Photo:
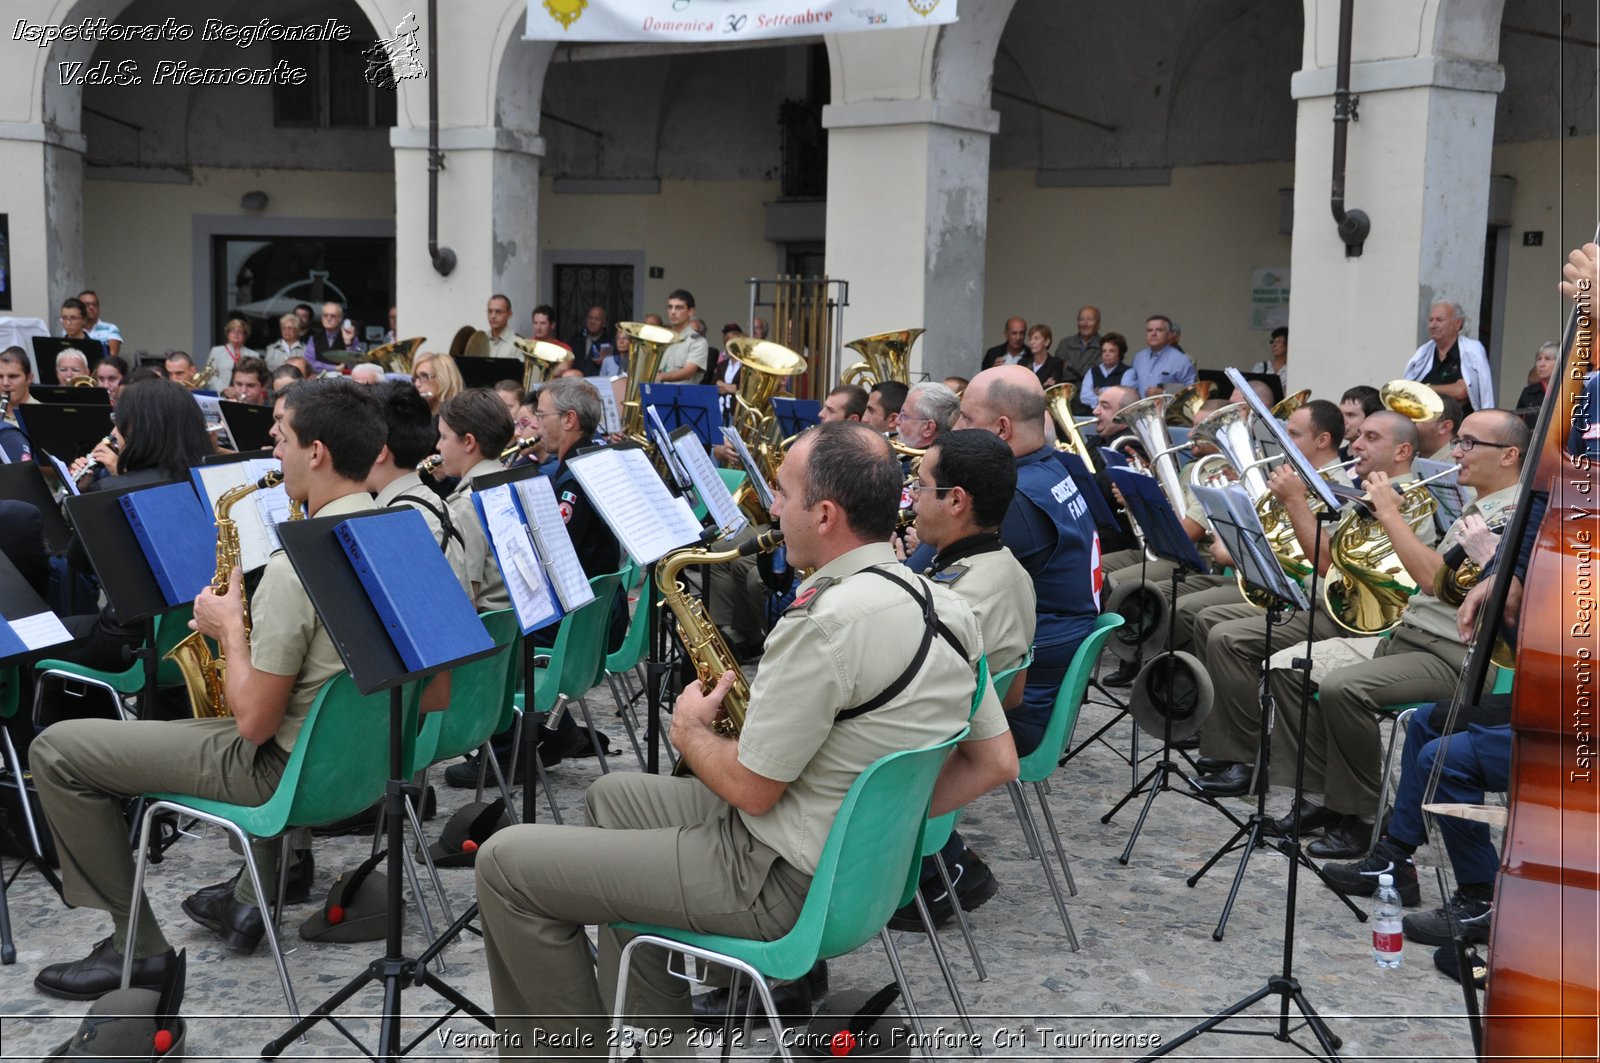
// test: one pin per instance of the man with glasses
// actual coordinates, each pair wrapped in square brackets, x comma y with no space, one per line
[327,337]
[928,412]
[104,331]
[1420,661]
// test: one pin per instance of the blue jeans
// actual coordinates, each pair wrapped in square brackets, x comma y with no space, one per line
[1475,760]
[1030,719]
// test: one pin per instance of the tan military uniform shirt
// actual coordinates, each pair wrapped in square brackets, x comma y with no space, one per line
[1000,594]
[406,491]
[481,566]
[1427,613]
[846,638]
[503,346]
[688,347]
[287,636]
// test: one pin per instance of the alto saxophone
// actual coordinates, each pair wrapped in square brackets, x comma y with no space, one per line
[702,642]
[204,672]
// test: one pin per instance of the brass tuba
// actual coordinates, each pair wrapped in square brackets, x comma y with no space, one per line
[765,367]
[647,343]
[886,356]
[540,360]
[395,357]
[1058,400]
[205,673]
[702,642]
[1187,402]
[1147,427]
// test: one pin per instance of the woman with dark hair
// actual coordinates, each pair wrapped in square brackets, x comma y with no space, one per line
[1108,372]
[110,373]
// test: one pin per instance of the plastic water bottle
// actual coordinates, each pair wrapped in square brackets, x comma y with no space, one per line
[1388,940]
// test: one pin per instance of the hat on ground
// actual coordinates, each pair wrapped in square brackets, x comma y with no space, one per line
[356,908]
[856,1023]
[1174,686]
[132,1024]
[465,831]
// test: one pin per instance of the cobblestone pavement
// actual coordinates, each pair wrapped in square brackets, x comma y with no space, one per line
[1148,968]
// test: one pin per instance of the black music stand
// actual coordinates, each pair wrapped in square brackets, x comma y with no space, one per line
[18,600]
[680,405]
[45,349]
[23,481]
[487,372]
[796,415]
[249,425]
[68,432]
[359,634]
[59,395]
[1284,985]
[1165,537]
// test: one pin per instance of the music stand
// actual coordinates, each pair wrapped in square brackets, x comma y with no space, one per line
[694,405]
[250,426]
[18,602]
[1282,985]
[57,394]
[23,481]
[796,415]
[45,349]
[487,372]
[369,655]
[1164,536]
[68,432]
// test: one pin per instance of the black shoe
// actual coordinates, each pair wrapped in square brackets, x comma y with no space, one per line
[795,1000]
[1211,765]
[1472,914]
[1312,817]
[240,925]
[1231,781]
[100,972]
[463,775]
[1189,744]
[1124,676]
[1444,958]
[296,889]
[1344,840]
[1361,879]
[974,883]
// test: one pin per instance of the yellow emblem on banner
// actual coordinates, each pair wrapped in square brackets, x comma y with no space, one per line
[921,7]
[567,12]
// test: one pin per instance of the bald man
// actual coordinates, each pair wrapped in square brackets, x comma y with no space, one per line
[1081,350]
[1048,528]
[1013,350]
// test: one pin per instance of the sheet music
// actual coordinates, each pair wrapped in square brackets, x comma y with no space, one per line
[663,441]
[1234,519]
[538,498]
[40,630]
[63,472]
[708,483]
[211,406]
[647,519]
[254,516]
[610,415]
[751,468]
[519,563]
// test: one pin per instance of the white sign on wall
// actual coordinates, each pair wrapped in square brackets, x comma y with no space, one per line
[1269,298]
[701,21]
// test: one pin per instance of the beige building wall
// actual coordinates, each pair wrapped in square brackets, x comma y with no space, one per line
[706,236]
[1186,249]
[139,248]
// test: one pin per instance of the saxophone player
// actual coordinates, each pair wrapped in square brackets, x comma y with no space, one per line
[86,769]
[733,849]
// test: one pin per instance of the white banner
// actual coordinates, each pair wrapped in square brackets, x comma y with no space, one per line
[723,20]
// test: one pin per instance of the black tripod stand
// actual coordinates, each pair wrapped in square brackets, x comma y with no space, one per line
[1282,985]
[341,601]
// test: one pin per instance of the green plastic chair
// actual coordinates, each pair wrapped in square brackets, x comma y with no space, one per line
[869,867]
[573,667]
[170,629]
[1038,766]
[10,701]
[339,766]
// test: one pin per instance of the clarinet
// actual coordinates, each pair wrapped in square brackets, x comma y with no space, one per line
[94,465]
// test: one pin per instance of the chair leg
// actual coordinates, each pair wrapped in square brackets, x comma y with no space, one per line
[1031,828]
[905,993]
[1055,838]
[594,736]
[549,794]
[774,1020]
[283,880]
[499,780]
[516,747]
[961,917]
[22,793]
[944,965]
[1399,729]
[625,711]
[1014,789]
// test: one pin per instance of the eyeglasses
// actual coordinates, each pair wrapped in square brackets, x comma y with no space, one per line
[422,376]
[919,487]
[1466,443]
[527,422]
[540,415]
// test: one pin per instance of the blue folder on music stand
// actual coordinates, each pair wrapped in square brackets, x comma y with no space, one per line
[796,415]
[686,406]
[1162,531]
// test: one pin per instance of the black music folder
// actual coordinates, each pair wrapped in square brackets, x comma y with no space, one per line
[23,481]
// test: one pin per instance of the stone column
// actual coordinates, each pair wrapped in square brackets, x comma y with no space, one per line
[41,188]
[1418,164]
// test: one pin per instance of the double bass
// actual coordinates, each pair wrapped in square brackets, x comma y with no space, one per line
[1544,950]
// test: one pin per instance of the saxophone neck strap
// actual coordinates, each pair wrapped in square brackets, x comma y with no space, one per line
[931,626]
[446,526]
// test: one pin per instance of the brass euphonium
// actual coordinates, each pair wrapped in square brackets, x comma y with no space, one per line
[540,360]
[703,643]
[1058,400]
[395,357]
[204,672]
[1368,587]
[1290,403]
[765,367]
[646,345]
[1187,402]
[887,356]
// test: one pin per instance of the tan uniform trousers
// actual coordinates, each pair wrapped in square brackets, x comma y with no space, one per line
[86,769]
[1343,750]
[658,850]
[1231,640]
